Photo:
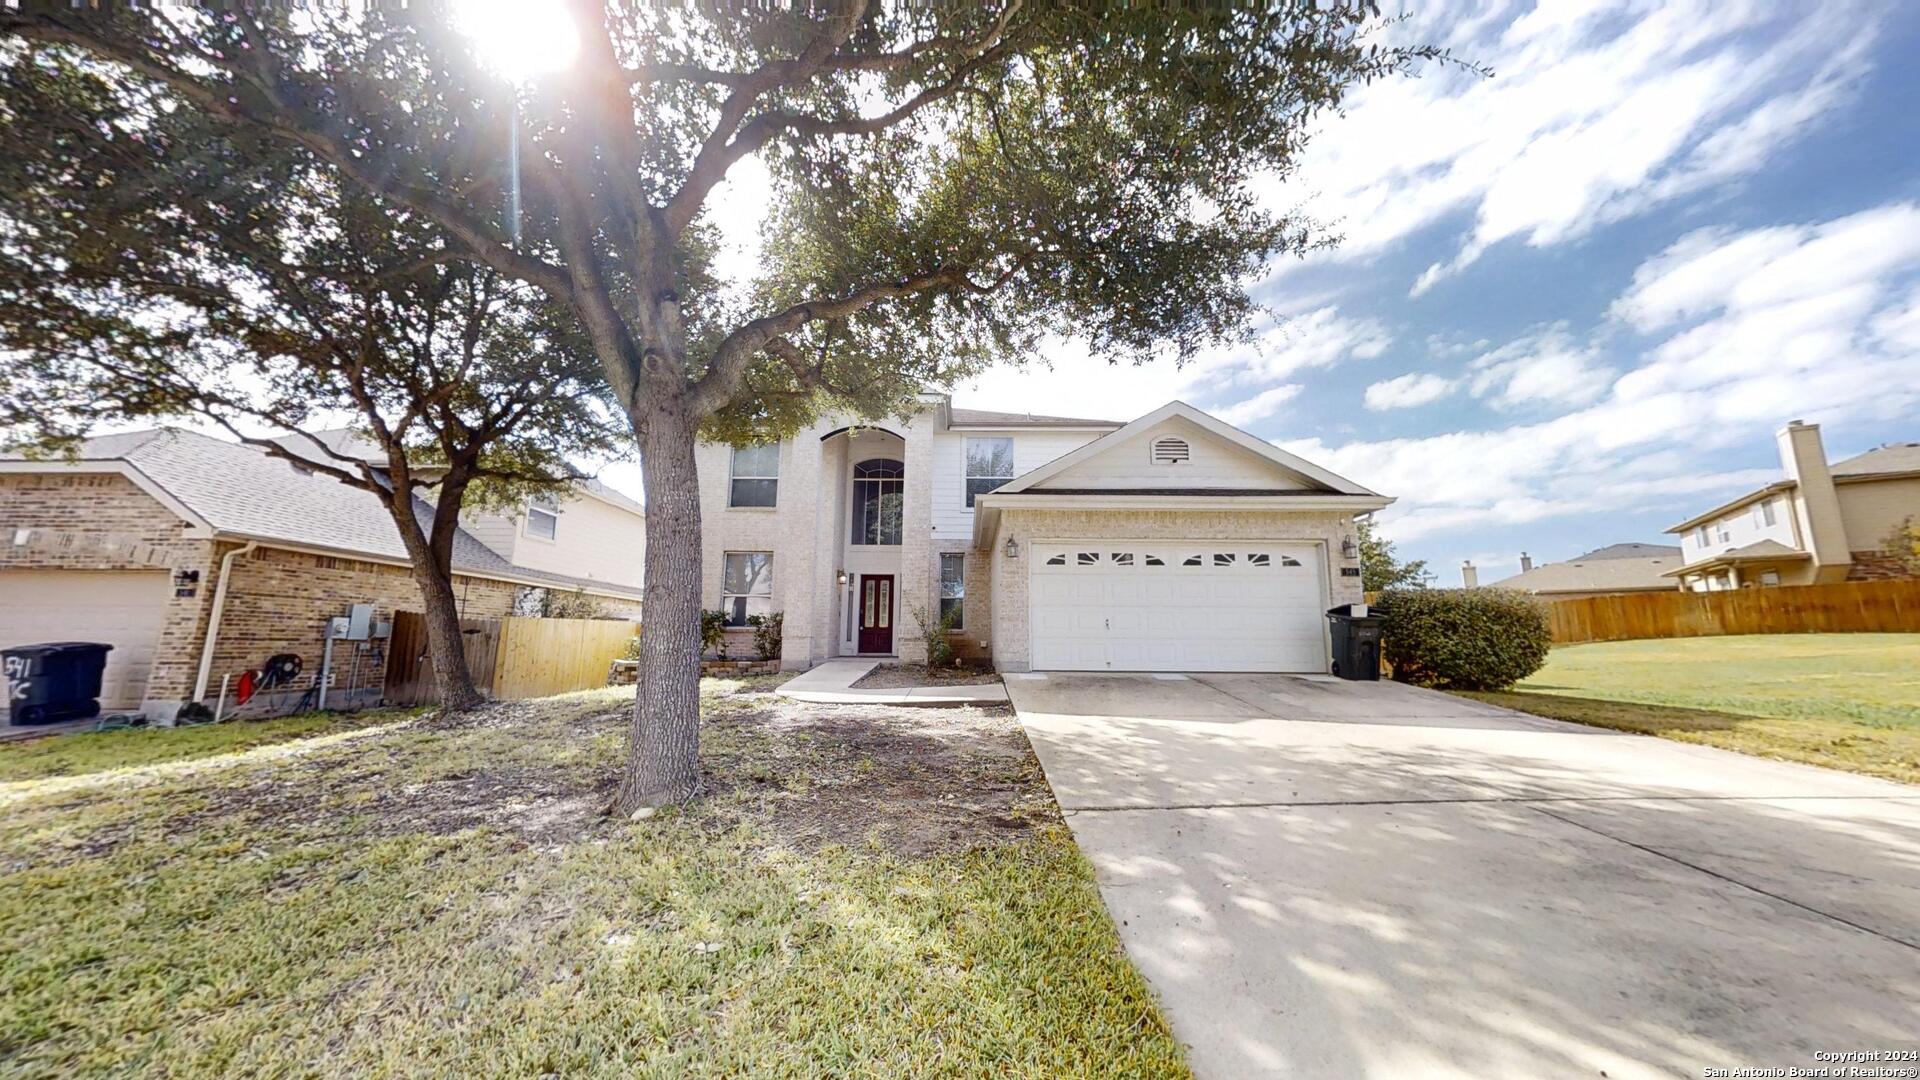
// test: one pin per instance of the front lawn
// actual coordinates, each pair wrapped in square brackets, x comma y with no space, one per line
[865,891]
[1846,701]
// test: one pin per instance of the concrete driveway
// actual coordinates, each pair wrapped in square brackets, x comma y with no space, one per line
[1328,879]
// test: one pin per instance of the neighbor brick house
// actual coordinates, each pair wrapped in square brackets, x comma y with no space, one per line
[1820,523]
[1174,542]
[141,538]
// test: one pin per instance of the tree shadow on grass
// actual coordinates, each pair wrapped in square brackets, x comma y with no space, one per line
[1619,715]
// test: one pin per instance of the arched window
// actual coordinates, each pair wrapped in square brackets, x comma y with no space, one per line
[879,491]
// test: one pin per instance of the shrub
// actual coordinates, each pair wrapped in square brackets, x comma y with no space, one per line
[713,632]
[767,630]
[933,633]
[1463,639]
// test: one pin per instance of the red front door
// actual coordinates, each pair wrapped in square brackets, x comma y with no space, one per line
[876,613]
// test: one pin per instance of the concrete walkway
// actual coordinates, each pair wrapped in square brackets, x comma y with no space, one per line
[831,683]
[1331,879]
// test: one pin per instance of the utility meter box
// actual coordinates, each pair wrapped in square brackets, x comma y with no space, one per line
[359,622]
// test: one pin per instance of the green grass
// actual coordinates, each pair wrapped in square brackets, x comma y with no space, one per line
[1846,701]
[427,900]
[97,751]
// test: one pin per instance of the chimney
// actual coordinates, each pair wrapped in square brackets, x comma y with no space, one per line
[1815,503]
[1526,562]
[1469,575]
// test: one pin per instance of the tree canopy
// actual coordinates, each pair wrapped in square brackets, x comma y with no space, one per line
[949,183]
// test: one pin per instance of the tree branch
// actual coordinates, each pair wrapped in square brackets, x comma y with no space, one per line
[720,150]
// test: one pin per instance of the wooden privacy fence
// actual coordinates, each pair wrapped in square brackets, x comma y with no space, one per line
[510,658]
[552,656]
[1858,606]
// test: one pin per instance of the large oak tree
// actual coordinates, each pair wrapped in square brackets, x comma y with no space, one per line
[950,182]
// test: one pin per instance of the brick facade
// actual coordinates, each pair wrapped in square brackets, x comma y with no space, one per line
[1878,566]
[277,602]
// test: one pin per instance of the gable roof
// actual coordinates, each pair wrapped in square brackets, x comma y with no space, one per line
[1329,483]
[242,491]
[1891,458]
[1598,573]
[1628,551]
[349,443]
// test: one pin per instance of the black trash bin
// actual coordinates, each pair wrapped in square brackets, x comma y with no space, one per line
[1356,644]
[53,681]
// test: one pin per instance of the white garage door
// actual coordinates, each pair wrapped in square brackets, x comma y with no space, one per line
[122,609]
[1201,606]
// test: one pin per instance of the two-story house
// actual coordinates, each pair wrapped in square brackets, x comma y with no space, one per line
[1173,542]
[1820,523]
[197,558]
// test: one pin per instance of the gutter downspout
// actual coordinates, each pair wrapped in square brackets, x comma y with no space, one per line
[213,620]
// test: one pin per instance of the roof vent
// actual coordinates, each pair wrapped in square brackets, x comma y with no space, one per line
[1171,451]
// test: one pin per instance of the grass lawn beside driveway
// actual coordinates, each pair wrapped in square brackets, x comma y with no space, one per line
[865,891]
[1845,701]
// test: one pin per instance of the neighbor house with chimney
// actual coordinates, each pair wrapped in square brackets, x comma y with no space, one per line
[1819,523]
[1607,571]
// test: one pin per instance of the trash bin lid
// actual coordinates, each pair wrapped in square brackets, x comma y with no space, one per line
[50,648]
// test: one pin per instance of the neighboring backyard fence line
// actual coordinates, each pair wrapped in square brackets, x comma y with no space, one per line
[1862,606]
[510,658]
[552,656]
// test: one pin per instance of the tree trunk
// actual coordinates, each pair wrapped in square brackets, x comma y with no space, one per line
[452,679]
[663,747]
[432,559]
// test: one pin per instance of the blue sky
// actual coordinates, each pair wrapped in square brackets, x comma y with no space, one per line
[1575,300]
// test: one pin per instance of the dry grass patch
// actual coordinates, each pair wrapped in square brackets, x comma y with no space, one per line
[864,892]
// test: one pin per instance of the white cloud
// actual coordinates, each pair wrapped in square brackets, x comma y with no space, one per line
[1544,368]
[1820,321]
[1258,407]
[1596,111]
[1407,391]
[1230,381]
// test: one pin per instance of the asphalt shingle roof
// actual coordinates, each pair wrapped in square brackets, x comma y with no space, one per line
[1891,458]
[1628,551]
[1608,574]
[243,491]
[991,418]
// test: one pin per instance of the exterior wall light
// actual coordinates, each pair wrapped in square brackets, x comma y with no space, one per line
[843,577]
[1349,549]
[1012,548]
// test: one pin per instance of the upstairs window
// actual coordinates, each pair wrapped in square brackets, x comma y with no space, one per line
[989,465]
[1700,536]
[543,519]
[1171,451]
[1766,511]
[879,492]
[756,475]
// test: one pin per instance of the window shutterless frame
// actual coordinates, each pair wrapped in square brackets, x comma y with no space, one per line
[953,587]
[988,465]
[543,520]
[755,477]
[746,585]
